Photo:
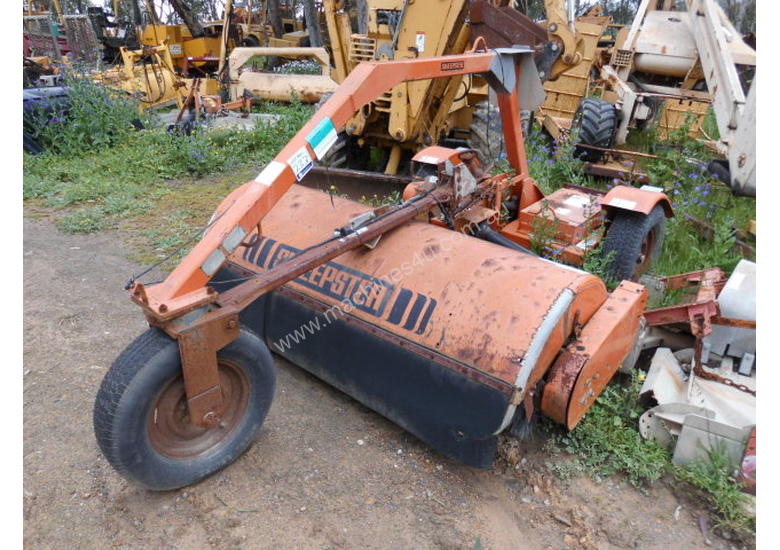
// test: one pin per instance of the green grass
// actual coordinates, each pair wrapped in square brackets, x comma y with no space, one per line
[712,476]
[692,191]
[97,188]
[607,442]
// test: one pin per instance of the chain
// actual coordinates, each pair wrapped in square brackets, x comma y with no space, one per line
[701,373]
[698,369]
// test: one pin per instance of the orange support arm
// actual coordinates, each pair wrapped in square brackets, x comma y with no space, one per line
[185,287]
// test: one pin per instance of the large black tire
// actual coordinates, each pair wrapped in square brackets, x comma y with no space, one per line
[250,41]
[635,240]
[345,153]
[486,134]
[595,122]
[140,415]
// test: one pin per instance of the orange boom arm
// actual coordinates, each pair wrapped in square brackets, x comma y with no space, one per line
[185,287]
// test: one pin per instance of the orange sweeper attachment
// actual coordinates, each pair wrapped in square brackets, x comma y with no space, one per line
[433,312]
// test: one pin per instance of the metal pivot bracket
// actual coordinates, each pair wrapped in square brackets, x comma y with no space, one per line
[198,347]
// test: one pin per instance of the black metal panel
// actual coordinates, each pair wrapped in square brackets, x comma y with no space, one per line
[449,411]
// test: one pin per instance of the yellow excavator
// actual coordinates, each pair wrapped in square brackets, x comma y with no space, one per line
[413,115]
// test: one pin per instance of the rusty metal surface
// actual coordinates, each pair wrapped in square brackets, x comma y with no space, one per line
[560,384]
[169,427]
[354,183]
[707,283]
[431,355]
[483,302]
[614,171]
[583,370]
[503,27]
[198,347]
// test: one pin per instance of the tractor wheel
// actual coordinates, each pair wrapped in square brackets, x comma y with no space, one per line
[635,240]
[486,134]
[596,123]
[344,153]
[141,421]
[250,41]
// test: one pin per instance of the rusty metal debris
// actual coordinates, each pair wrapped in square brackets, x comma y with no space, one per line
[706,395]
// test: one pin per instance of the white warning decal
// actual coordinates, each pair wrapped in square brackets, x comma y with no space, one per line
[623,203]
[301,162]
[270,173]
[322,137]
[420,42]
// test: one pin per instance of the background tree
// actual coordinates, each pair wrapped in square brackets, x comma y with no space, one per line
[184,11]
[311,16]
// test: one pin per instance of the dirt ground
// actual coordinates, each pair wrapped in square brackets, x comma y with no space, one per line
[325,472]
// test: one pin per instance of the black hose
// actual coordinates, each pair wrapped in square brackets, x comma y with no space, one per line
[485,232]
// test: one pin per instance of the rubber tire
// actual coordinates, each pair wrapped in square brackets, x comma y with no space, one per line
[596,121]
[250,42]
[130,388]
[344,153]
[486,134]
[627,231]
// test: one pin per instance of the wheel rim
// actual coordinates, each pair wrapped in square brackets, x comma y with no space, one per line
[172,434]
[645,254]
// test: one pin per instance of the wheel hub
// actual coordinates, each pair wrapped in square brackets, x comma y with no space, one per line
[172,433]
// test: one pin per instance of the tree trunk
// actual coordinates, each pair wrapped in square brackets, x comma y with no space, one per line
[362,17]
[185,12]
[312,23]
[136,12]
[275,18]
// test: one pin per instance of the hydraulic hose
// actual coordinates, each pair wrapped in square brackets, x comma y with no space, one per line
[485,232]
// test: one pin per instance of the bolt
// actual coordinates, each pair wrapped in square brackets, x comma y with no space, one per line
[554,47]
[553,27]
[163,308]
[232,324]
[210,419]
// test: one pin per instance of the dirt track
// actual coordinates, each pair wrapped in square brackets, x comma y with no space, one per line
[307,482]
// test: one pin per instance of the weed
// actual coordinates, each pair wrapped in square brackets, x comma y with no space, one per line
[84,220]
[544,227]
[598,263]
[376,200]
[712,475]
[90,119]
[606,441]
[128,178]
[552,163]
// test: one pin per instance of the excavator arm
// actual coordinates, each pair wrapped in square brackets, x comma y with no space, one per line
[561,32]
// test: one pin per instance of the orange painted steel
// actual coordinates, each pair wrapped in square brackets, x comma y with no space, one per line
[586,365]
[497,315]
[489,301]
[637,200]
[185,287]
